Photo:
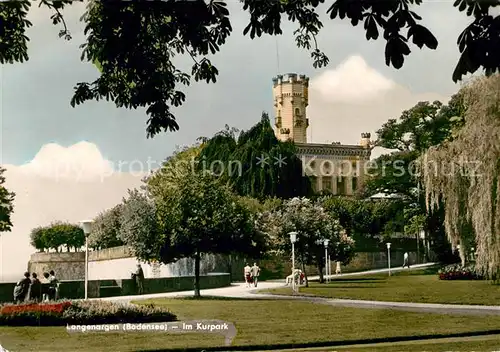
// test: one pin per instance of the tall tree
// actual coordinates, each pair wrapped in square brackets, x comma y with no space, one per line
[134,43]
[198,216]
[6,204]
[463,177]
[106,229]
[181,163]
[256,164]
[313,225]
[139,227]
[419,128]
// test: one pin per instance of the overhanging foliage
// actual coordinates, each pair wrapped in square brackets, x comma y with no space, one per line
[463,176]
[134,43]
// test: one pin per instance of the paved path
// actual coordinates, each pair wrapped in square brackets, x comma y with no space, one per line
[241,291]
[238,290]
[377,271]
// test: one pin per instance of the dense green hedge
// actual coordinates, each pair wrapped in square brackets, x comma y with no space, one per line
[364,244]
[80,313]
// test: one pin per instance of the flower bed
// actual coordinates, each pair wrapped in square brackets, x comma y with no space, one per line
[35,308]
[459,272]
[80,313]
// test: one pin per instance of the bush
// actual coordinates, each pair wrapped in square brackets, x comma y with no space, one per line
[459,272]
[80,313]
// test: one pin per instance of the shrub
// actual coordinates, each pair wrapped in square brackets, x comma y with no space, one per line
[80,313]
[459,272]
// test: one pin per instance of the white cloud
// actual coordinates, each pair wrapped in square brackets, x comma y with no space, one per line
[67,184]
[81,162]
[353,81]
[354,98]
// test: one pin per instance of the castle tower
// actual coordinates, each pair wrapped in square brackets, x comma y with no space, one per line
[365,140]
[290,102]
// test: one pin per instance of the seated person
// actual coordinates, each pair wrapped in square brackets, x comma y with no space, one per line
[295,275]
[338,271]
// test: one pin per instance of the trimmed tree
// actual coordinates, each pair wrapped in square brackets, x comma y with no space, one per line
[57,235]
[37,238]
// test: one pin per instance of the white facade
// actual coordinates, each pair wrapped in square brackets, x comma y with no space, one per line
[122,268]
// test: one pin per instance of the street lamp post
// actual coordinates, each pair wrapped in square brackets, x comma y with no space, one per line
[87,228]
[293,239]
[327,261]
[389,257]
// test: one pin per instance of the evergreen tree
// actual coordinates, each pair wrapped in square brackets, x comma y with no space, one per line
[255,164]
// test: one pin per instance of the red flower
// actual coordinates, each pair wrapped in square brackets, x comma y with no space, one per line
[36,308]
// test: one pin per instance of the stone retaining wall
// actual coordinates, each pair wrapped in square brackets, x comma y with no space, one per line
[119,262]
[114,263]
[75,289]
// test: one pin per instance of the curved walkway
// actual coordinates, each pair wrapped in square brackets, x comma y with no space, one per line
[240,291]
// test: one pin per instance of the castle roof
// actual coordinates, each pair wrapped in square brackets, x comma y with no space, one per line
[332,149]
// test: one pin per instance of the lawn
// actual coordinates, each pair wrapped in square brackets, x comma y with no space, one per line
[481,343]
[410,286]
[257,322]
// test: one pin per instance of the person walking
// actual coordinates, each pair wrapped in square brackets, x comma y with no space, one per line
[36,288]
[255,271]
[22,288]
[406,262]
[247,273]
[139,279]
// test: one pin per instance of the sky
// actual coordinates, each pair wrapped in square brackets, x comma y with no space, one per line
[69,163]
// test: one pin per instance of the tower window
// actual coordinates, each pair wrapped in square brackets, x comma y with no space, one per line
[297,112]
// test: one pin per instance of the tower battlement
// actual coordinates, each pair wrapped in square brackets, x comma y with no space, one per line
[290,78]
[365,139]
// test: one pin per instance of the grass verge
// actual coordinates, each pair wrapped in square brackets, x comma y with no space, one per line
[415,286]
[257,321]
[481,343]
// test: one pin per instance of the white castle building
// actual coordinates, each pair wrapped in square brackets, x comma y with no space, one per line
[335,167]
